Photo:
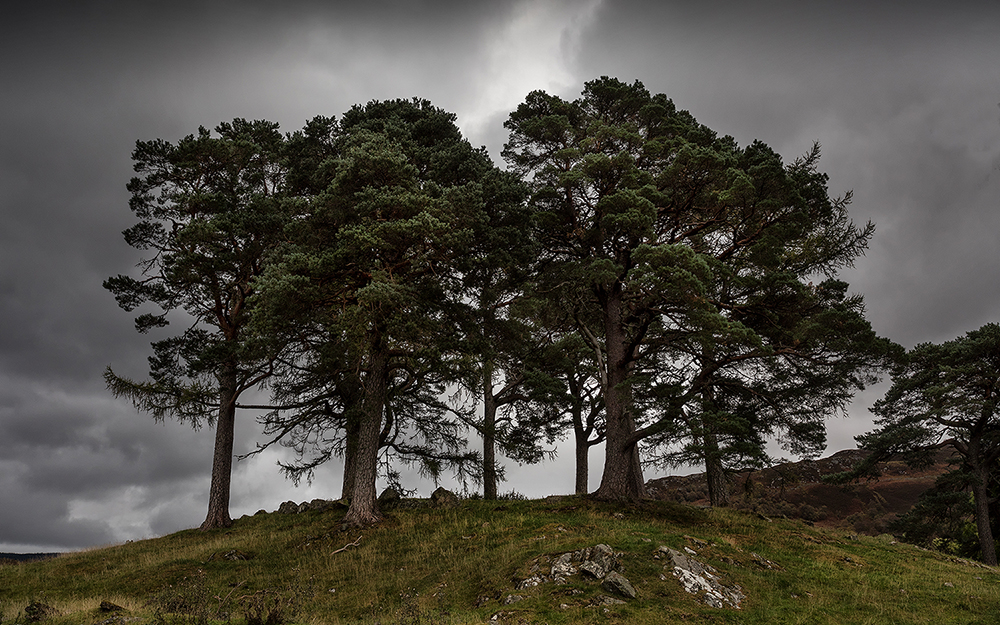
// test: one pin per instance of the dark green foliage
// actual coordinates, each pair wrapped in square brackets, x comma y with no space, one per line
[686,264]
[210,210]
[943,518]
[946,396]
[364,300]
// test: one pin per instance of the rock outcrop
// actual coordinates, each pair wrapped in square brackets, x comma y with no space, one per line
[598,563]
[701,579]
[316,505]
[602,564]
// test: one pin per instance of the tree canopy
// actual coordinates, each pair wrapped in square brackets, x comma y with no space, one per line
[680,256]
[209,209]
[373,279]
[946,396]
[634,276]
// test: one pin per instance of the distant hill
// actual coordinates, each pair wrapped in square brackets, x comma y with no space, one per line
[25,557]
[794,490]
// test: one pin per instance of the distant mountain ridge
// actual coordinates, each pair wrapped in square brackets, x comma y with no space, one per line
[25,557]
[795,490]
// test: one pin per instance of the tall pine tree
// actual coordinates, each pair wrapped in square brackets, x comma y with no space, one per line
[209,208]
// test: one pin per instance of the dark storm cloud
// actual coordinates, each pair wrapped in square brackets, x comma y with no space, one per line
[902,97]
[81,83]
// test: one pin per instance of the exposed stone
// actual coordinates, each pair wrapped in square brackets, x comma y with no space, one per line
[38,611]
[444,498]
[233,555]
[322,505]
[563,566]
[389,499]
[616,583]
[531,582]
[702,580]
[288,507]
[107,606]
[599,561]
[764,563]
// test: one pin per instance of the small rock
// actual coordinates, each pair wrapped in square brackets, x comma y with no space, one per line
[107,606]
[320,505]
[531,582]
[389,499]
[37,611]
[764,563]
[512,599]
[616,583]
[444,498]
[233,555]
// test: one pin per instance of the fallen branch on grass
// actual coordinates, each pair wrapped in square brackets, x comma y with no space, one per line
[345,547]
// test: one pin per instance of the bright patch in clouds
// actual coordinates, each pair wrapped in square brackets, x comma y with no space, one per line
[536,49]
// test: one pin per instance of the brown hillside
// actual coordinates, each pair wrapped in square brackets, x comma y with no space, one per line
[794,490]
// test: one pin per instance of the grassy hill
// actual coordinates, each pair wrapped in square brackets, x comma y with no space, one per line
[463,565]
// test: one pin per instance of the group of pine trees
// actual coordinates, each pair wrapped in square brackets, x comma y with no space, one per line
[631,277]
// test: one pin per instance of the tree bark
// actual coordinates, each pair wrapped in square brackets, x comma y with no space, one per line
[222,460]
[980,497]
[363,509]
[352,430]
[489,434]
[715,473]
[582,462]
[622,478]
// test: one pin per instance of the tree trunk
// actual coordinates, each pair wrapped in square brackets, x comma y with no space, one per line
[363,509]
[582,461]
[980,497]
[489,434]
[352,430]
[222,460]
[622,478]
[715,473]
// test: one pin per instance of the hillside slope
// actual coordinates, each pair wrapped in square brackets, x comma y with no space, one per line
[795,490]
[555,560]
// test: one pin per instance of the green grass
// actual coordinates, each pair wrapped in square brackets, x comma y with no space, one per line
[423,566]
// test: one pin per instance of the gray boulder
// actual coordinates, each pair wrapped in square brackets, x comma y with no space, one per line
[616,583]
[389,499]
[444,498]
[599,561]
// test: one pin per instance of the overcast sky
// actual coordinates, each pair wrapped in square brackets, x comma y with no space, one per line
[902,96]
